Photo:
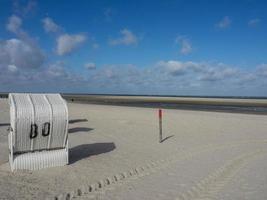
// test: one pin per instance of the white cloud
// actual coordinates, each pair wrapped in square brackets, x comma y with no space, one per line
[50,26]
[14,24]
[118,76]
[168,77]
[56,70]
[186,46]
[254,22]
[90,66]
[12,68]
[217,74]
[177,68]
[209,78]
[127,38]
[15,52]
[110,73]
[66,43]
[19,55]
[224,23]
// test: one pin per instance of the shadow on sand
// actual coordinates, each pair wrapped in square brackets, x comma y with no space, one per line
[72,121]
[86,150]
[4,124]
[80,129]
[166,138]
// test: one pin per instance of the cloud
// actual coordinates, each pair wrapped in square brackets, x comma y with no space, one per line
[54,77]
[50,26]
[176,68]
[66,43]
[186,46]
[23,8]
[57,73]
[57,70]
[23,69]
[23,64]
[163,77]
[262,70]
[12,68]
[90,66]
[254,22]
[119,78]
[172,77]
[20,54]
[218,74]
[224,23]
[127,38]
[199,71]
[197,78]
[14,24]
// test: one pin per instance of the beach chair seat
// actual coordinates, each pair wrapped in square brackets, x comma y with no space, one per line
[38,135]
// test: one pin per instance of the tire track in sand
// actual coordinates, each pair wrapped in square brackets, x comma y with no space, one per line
[147,169]
[207,188]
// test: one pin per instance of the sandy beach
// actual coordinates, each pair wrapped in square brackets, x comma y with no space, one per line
[115,154]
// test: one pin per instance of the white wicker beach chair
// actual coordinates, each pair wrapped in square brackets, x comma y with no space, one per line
[38,135]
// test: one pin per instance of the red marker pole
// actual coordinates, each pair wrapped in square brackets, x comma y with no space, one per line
[160,125]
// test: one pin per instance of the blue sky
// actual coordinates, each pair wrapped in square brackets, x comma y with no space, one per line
[134,47]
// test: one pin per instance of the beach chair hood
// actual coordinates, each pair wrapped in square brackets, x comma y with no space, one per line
[39,122]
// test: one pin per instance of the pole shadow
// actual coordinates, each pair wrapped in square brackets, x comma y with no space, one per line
[86,150]
[166,138]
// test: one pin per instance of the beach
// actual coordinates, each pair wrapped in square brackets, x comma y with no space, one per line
[115,154]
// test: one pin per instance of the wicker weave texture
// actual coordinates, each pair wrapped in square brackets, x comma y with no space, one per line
[39,160]
[30,147]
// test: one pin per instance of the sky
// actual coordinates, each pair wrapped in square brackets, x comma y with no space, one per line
[168,47]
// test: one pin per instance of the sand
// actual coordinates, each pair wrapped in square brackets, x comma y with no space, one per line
[115,154]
